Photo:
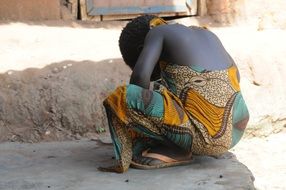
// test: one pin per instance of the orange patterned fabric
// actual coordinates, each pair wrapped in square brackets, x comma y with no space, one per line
[232,74]
[157,22]
[116,101]
[206,113]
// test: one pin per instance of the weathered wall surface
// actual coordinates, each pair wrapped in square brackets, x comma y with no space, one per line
[263,13]
[22,10]
[267,14]
[29,9]
[225,11]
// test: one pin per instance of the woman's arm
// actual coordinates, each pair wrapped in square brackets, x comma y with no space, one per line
[148,59]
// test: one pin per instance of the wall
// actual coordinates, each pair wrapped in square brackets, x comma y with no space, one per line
[262,13]
[33,10]
[30,9]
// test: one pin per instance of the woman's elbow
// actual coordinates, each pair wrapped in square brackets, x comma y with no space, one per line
[140,80]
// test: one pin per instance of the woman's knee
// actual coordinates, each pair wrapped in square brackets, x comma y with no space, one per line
[146,101]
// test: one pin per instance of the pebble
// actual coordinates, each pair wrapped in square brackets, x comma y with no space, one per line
[55,70]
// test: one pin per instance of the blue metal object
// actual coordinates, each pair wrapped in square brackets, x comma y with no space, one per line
[92,10]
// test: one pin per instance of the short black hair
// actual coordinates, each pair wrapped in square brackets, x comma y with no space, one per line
[132,38]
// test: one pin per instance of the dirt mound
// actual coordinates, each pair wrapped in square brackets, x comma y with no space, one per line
[61,101]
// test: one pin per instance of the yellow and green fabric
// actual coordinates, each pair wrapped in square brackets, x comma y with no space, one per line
[200,111]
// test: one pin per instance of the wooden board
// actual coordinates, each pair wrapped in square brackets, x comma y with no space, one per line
[122,9]
[69,9]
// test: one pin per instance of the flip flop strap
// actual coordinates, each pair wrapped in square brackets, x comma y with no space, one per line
[161,157]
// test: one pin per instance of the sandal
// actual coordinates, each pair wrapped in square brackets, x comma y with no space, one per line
[161,161]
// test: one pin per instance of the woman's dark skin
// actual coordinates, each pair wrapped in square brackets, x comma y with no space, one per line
[179,45]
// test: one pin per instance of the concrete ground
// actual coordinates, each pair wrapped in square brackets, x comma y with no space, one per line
[73,166]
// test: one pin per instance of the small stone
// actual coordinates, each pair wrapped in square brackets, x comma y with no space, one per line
[65,67]
[77,136]
[256,83]
[49,186]
[69,65]
[220,176]
[46,86]
[47,132]
[127,180]
[50,157]
[55,70]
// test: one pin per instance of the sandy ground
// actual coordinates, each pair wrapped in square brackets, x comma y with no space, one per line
[32,45]
[265,157]
[35,45]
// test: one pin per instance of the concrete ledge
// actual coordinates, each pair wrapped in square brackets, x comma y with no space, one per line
[73,165]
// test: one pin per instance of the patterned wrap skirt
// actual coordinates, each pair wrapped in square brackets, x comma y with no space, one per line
[199,111]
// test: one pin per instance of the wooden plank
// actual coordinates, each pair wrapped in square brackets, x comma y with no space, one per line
[130,16]
[202,8]
[192,6]
[69,9]
[118,7]
[123,9]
